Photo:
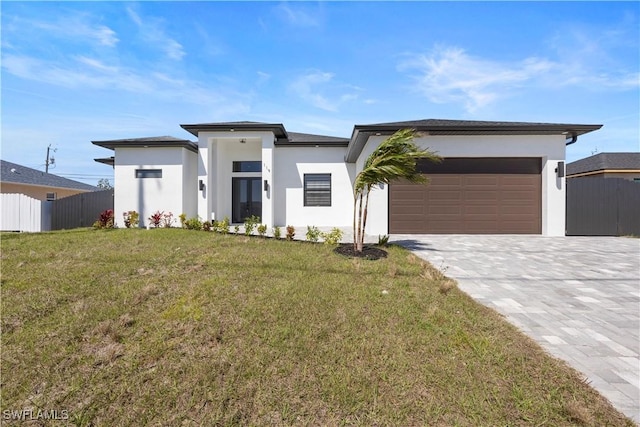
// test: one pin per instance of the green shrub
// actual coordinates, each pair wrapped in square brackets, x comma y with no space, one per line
[333,237]
[313,233]
[276,232]
[194,223]
[183,219]
[250,224]
[262,229]
[206,226]
[236,229]
[223,226]
[383,240]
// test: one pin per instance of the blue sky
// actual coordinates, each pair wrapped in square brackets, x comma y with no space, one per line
[73,72]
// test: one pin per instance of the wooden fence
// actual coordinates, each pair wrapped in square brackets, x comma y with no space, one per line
[603,207]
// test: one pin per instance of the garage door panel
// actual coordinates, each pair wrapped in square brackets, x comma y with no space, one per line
[490,211]
[442,227]
[469,204]
[485,196]
[480,180]
[433,211]
[518,210]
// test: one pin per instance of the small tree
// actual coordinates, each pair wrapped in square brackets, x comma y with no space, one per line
[395,158]
[104,184]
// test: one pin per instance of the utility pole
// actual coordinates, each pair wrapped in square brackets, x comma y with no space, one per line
[50,160]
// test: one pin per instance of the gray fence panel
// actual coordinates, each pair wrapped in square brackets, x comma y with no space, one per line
[80,210]
[629,208]
[602,207]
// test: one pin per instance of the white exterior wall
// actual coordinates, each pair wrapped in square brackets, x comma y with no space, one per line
[550,148]
[291,163]
[189,183]
[148,195]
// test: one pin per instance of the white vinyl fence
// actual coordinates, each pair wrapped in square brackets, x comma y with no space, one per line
[22,213]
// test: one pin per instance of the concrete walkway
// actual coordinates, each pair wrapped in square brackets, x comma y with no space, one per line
[579,297]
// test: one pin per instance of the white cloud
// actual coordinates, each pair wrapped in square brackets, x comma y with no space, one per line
[306,88]
[71,26]
[318,89]
[451,75]
[296,16]
[151,30]
[86,73]
[263,77]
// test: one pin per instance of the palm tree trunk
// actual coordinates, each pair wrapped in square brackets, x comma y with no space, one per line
[364,219]
[355,204]
[359,233]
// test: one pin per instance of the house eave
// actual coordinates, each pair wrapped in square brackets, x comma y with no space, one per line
[124,143]
[276,128]
[361,133]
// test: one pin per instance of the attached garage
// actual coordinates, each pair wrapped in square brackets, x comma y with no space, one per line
[470,196]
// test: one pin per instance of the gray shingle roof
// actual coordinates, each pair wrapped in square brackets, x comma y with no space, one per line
[304,139]
[479,125]
[361,133]
[15,173]
[605,161]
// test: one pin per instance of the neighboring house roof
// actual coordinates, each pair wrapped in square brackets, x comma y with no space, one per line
[152,141]
[361,133]
[601,162]
[18,174]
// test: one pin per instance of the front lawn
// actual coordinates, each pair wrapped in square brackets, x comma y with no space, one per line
[178,327]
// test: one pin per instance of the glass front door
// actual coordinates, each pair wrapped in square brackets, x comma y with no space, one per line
[246,198]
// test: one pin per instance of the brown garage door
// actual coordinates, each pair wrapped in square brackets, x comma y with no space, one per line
[470,196]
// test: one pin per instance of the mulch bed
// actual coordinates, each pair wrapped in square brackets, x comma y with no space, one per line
[368,252]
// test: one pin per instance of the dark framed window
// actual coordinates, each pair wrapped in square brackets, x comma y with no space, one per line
[247,166]
[148,173]
[317,189]
[51,196]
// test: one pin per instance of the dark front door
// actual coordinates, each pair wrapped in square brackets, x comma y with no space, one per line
[246,198]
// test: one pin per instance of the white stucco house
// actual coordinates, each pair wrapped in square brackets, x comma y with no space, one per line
[496,177]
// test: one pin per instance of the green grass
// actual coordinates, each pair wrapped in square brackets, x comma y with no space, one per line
[178,327]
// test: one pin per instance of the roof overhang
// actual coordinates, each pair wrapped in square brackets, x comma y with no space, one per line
[276,128]
[106,160]
[148,142]
[362,133]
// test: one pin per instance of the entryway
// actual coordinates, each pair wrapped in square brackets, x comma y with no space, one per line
[246,198]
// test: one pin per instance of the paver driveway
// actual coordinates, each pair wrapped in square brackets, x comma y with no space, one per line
[579,297]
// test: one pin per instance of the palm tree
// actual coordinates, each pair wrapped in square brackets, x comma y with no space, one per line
[395,158]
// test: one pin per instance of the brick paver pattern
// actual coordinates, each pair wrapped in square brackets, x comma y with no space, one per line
[578,297]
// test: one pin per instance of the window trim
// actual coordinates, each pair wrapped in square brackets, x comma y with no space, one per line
[148,173]
[305,189]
